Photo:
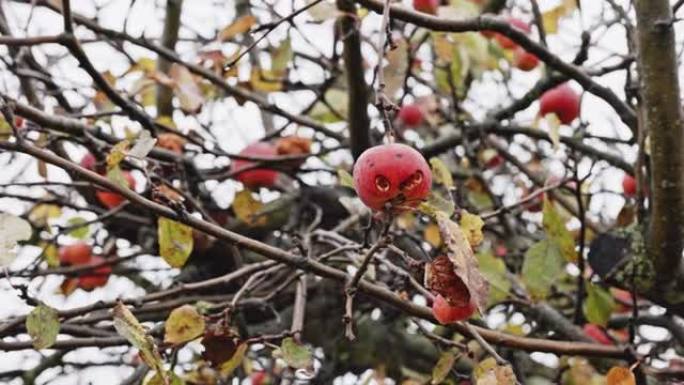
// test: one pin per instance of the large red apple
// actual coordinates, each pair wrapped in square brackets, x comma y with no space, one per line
[110,199]
[426,6]
[393,176]
[562,101]
[77,254]
[259,177]
[446,314]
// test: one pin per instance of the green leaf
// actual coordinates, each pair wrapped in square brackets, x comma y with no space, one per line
[183,324]
[442,368]
[345,179]
[80,232]
[229,366]
[115,175]
[117,154]
[542,267]
[128,327]
[435,204]
[555,229]
[599,305]
[246,208]
[494,271]
[175,241]
[42,324]
[296,355]
[50,254]
[338,99]
[441,173]
[281,56]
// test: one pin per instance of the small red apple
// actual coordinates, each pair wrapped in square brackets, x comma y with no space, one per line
[426,6]
[563,101]
[524,60]
[597,333]
[446,314]
[259,378]
[18,122]
[500,251]
[411,115]
[259,177]
[392,174]
[110,199]
[629,186]
[516,23]
[77,254]
[623,298]
[97,278]
[88,161]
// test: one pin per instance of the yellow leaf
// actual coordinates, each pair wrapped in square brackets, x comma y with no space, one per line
[441,173]
[229,366]
[246,208]
[472,226]
[175,241]
[265,80]
[551,17]
[183,324]
[117,154]
[239,26]
[432,236]
[40,213]
[620,376]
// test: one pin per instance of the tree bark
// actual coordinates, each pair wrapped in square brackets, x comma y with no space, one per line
[662,121]
[169,39]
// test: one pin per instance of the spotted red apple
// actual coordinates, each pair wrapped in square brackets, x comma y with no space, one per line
[411,115]
[258,177]
[97,278]
[516,23]
[562,101]
[446,314]
[524,60]
[426,6]
[629,186]
[110,199]
[597,334]
[393,176]
[76,254]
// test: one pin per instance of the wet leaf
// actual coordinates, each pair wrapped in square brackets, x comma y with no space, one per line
[42,324]
[175,241]
[237,27]
[296,355]
[543,265]
[183,324]
[12,230]
[599,305]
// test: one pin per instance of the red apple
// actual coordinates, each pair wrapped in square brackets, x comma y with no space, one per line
[597,333]
[393,175]
[426,6]
[563,101]
[411,115]
[446,314]
[500,251]
[77,254]
[629,186]
[110,199]
[97,278]
[516,23]
[259,177]
[259,378]
[88,161]
[524,60]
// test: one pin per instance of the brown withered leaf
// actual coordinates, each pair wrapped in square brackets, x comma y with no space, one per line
[463,260]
